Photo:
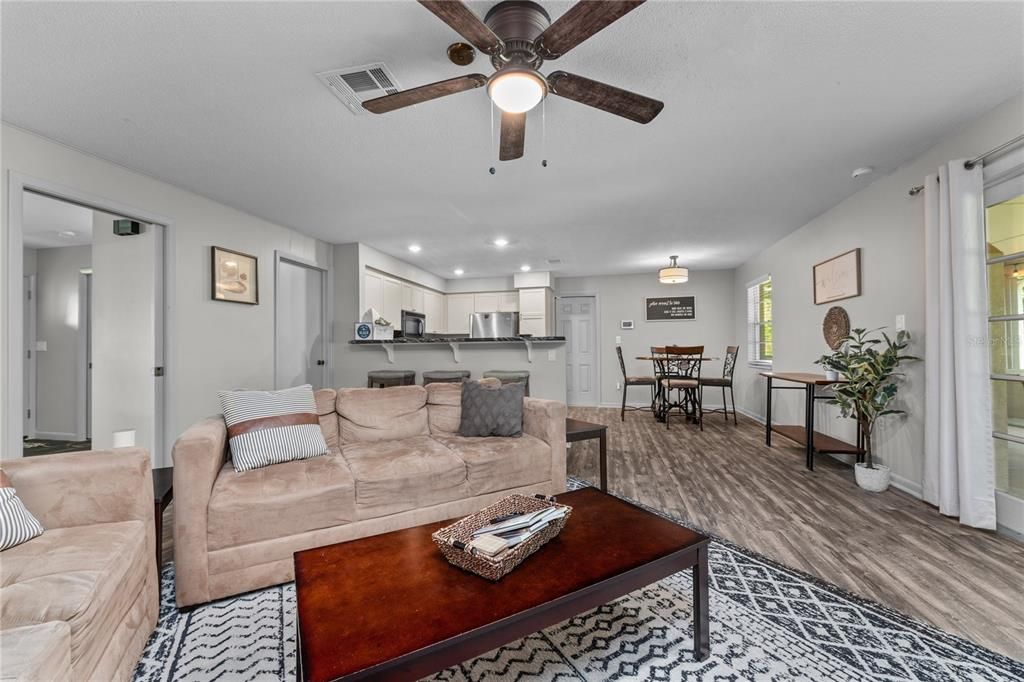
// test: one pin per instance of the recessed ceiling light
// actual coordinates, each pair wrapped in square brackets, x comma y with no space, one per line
[501,241]
[67,234]
[415,248]
[863,170]
[524,268]
[459,272]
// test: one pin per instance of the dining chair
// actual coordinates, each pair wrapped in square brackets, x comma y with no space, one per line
[684,379]
[724,382]
[628,381]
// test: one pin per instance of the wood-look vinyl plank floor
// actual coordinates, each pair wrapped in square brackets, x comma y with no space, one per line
[888,547]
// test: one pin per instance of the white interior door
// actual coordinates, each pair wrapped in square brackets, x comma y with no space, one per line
[126,344]
[299,347]
[29,378]
[577,322]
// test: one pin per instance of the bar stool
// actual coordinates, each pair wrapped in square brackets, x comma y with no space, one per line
[513,376]
[383,378]
[445,376]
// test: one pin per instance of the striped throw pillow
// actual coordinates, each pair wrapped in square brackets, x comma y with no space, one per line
[269,427]
[17,525]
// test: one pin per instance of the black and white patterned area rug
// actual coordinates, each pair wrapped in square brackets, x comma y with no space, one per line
[768,622]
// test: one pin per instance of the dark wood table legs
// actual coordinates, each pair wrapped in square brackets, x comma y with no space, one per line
[577,430]
[701,607]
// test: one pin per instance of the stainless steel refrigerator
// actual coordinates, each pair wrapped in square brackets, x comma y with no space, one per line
[493,325]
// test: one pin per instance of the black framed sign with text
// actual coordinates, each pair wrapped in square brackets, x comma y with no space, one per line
[664,308]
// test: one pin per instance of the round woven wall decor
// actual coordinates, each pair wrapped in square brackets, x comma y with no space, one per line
[836,326]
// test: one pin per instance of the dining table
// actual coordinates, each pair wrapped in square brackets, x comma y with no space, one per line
[659,392]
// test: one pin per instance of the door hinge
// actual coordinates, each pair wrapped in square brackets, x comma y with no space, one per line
[29,294]
[28,354]
[30,414]
[158,371]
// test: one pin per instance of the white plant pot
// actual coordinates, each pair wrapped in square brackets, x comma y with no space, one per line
[874,480]
[831,375]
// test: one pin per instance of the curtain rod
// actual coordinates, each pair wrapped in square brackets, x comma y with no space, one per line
[914,191]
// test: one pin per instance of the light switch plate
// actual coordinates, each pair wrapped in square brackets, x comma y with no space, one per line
[40,345]
[618,340]
[901,323]
[552,355]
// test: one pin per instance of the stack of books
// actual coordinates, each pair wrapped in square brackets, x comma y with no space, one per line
[504,533]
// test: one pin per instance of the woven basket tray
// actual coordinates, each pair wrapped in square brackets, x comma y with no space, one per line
[495,569]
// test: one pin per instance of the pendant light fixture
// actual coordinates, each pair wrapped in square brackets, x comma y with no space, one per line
[673,274]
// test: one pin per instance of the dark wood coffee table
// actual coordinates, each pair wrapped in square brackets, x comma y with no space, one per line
[390,607]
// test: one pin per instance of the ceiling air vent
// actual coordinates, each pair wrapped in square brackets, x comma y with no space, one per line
[357,84]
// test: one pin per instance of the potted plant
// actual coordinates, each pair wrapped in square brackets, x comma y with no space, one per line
[831,373]
[871,369]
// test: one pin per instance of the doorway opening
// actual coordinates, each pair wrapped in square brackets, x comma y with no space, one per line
[300,323]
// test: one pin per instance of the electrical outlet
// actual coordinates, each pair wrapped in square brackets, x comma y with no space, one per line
[618,385]
[901,323]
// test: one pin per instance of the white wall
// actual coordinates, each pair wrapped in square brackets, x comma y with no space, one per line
[621,297]
[57,323]
[216,345]
[30,262]
[887,225]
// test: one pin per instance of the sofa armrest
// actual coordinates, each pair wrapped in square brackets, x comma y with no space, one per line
[545,419]
[198,456]
[83,488]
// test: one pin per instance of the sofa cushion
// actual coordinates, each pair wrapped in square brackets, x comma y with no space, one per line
[88,576]
[36,653]
[326,399]
[280,500]
[490,411]
[494,463]
[444,406]
[375,414]
[269,427]
[397,475]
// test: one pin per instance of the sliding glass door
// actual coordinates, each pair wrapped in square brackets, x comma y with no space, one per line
[1004,229]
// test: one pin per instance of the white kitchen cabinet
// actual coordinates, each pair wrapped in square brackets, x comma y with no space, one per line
[508,301]
[533,325]
[412,298]
[485,303]
[434,308]
[391,305]
[373,293]
[460,307]
[534,301]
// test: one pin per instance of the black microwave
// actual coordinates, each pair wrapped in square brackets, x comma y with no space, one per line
[413,324]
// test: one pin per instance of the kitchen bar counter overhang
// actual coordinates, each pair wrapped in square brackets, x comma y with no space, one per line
[453,342]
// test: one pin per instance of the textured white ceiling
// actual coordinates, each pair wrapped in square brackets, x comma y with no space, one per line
[769,107]
[44,218]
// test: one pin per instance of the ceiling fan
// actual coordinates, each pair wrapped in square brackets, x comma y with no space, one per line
[519,36]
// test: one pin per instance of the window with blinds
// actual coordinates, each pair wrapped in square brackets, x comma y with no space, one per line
[759,321]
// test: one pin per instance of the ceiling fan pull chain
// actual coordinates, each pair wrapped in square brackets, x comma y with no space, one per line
[490,150]
[544,133]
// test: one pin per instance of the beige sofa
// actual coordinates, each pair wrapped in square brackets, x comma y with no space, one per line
[396,461]
[80,601]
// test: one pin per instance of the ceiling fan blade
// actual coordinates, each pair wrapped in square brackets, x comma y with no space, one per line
[513,136]
[466,23]
[605,97]
[583,20]
[424,93]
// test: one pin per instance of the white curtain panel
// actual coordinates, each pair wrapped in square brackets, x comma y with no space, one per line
[959,469]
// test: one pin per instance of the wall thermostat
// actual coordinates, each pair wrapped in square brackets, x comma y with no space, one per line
[626,324]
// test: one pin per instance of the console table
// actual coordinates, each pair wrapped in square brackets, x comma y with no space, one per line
[816,442]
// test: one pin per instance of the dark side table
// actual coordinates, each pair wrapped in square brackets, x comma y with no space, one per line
[163,493]
[577,430]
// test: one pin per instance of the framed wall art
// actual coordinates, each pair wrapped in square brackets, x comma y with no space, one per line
[235,278]
[837,278]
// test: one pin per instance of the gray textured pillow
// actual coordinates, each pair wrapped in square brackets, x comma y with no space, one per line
[492,411]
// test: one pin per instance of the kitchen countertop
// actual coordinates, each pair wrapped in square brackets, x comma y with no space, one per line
[440,338]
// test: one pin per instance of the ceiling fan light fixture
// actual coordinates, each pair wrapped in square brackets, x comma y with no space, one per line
[673,274]
[516,90]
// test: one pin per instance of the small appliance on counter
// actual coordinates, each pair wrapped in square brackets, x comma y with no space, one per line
[493,325]
[413,324]
[374,327]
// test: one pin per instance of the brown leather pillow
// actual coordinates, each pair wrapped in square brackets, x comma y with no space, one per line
[5,482]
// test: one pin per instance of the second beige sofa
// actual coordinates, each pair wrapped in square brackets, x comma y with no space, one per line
[396,460]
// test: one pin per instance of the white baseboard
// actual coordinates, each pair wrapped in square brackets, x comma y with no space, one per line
[56,435]
[911,488]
